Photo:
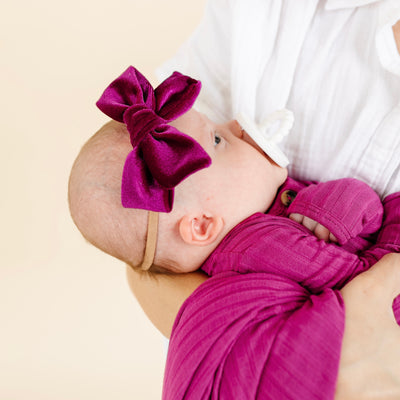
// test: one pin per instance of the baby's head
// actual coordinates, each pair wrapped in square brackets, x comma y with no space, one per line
[206,203]
[94,195]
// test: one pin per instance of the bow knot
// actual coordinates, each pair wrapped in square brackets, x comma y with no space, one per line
[139,121]
[162,156]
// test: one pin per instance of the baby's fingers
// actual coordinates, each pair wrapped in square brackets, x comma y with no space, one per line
[297,217]
[332,238]
[323,233]
[307,222]
[320,231]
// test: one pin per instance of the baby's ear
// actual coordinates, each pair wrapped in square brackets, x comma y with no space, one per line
[200,230]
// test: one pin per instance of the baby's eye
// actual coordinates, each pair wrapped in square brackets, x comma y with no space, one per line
[217,139]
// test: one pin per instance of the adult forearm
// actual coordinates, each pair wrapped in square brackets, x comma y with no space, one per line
[370,358]
[161,296]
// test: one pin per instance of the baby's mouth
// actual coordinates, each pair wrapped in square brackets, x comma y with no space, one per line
[266,135]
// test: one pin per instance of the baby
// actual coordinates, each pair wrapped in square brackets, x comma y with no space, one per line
[196,194]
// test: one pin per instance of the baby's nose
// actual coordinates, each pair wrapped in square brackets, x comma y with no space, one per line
[235,128]
[239,132]
[248,139]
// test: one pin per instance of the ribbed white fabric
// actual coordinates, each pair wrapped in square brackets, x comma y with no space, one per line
[335,65]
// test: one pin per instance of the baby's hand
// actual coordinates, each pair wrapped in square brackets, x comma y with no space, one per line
[319,230]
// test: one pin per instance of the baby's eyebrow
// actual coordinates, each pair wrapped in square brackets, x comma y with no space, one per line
[204,127]
[203,119]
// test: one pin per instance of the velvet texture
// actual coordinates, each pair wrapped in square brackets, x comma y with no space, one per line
[162,156]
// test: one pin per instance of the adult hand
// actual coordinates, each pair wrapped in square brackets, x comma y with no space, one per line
[370,360]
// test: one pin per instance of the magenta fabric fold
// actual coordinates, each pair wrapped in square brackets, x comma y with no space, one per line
[255,336]
[162,156]
[269,322]
[366,229]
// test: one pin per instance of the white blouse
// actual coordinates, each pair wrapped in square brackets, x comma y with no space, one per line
[334,63]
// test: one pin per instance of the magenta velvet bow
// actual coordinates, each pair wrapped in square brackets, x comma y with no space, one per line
[162,156]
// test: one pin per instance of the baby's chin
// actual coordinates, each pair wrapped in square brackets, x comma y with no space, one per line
[280,175]
[280,178]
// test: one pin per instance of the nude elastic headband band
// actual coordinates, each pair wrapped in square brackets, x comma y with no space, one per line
[151,241]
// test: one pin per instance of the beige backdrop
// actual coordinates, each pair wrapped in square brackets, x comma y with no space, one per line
[70,328]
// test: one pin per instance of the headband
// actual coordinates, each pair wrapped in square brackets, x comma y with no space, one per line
[161,155]
[151,241]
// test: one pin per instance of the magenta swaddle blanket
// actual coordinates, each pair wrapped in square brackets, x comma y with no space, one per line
[275,332]
[255,336]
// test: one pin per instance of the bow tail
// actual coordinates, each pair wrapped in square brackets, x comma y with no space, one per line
[173,156]
[139,189]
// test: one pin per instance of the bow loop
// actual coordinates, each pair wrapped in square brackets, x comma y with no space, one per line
[162,156]
[176,95]
[130,88]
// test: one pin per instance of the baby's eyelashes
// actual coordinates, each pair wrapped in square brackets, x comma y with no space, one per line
[217,138]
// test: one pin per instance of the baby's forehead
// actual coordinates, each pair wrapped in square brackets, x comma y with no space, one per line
[196,125]
[189,120]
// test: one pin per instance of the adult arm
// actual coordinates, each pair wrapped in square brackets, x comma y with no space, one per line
[370,324]
[370,358]
[161,296]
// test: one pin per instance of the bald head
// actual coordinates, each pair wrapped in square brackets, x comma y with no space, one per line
[94,195]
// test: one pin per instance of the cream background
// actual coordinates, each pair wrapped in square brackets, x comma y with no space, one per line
[70,328]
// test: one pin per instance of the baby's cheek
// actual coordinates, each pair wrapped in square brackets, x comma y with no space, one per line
[248,139]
